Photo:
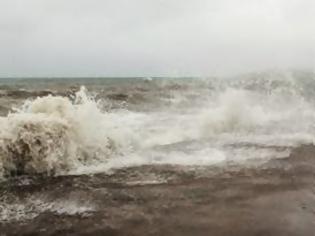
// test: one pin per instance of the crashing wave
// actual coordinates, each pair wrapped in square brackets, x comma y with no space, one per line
[52,135]
[242,111]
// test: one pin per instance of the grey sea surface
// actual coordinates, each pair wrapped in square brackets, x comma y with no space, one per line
[158,156]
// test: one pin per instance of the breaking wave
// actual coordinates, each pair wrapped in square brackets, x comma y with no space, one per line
[52,135]
[248,112]
[182,122]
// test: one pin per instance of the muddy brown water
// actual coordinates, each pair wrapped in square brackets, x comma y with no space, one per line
[277,198]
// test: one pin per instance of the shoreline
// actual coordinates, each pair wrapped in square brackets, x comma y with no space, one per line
[277,198]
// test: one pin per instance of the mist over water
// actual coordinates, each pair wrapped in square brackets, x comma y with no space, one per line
[157,117]
[117,123]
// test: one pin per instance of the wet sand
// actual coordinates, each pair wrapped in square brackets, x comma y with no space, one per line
[277,198]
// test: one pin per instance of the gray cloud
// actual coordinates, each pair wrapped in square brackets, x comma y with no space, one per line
[154,37]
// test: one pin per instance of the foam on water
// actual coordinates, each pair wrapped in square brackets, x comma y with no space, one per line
[53,134]
[230,121]
[32,207]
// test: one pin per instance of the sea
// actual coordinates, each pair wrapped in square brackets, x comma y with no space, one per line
[70,129]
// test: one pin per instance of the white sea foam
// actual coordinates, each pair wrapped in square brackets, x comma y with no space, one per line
[239,112]
[58,135]
[52,135]
[33,207]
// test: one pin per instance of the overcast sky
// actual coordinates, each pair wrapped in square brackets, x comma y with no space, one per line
[154,37]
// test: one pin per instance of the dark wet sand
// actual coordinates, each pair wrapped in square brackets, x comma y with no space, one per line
[277,198]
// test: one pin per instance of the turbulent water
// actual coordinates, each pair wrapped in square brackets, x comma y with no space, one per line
[61,127]
[115,123]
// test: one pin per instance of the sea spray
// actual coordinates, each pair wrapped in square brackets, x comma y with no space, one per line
[203,122]
[52,135]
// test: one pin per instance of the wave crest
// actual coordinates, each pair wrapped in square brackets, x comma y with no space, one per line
[53,135]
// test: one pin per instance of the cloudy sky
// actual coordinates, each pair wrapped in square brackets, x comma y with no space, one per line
[154,37]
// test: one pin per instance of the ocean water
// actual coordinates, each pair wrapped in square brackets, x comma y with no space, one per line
[78,126]
[79,131]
